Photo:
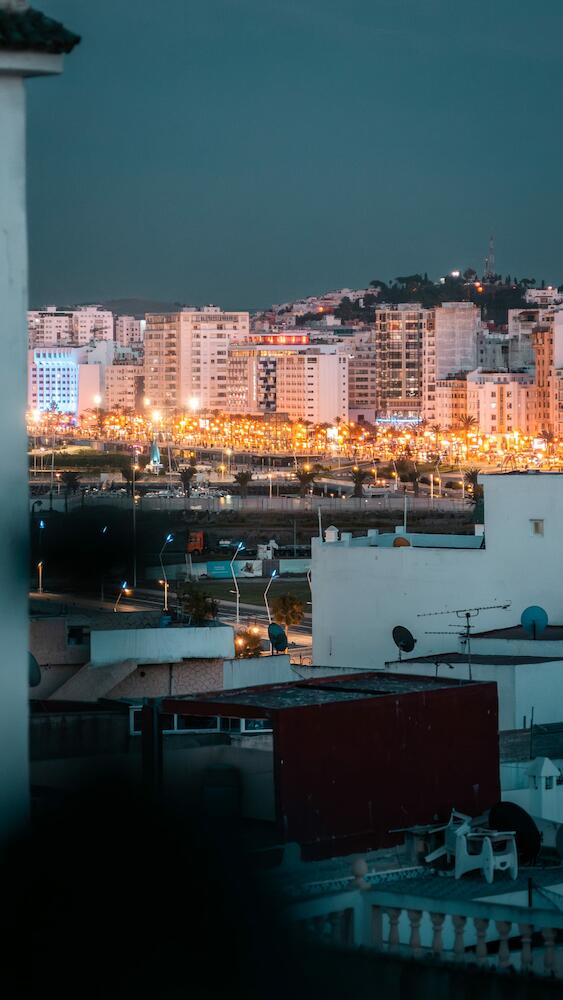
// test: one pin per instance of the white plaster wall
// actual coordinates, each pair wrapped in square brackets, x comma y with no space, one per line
[360,593]
[539,686]
[160,645]
[258,670]
[13,495]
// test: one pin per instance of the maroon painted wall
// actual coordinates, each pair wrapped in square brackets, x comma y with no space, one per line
[346,773]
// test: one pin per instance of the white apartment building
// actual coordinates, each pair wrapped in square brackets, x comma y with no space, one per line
[451,402]
[493,348]
[522,324]
[543,296]
[502,402]
[49,327]
[92,323]
[53,327]
[312,384]
[128,331]
[186,356]
[364,586]
[449,346]
[123,386]
[58,379]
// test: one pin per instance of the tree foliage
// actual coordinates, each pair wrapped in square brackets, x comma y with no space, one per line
[196,603]
[186,476]
[243,479]
[287,609]
[247,644]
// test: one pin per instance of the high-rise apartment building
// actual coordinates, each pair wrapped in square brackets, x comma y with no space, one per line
[123,386]
[186,356]
[543,346]
[59,380]
[451,401]
[92,323]
[49,327]
[53,327]
[501,402]
[362,378]
[400,332]
[128,331]
[449,346]
[312,384]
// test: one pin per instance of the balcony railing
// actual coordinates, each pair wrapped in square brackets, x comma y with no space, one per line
[498,936]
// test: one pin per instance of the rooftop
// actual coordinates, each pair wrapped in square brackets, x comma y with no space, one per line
[312,693]
[494,659]
[552,633]
[425,540]
[30,31]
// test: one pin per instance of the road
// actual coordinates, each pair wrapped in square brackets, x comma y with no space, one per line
[299,636]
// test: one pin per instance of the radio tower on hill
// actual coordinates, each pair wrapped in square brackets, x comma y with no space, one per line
[490,270]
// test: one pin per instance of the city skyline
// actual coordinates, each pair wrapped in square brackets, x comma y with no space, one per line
[315,147]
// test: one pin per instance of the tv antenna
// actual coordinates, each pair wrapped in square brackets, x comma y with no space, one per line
[466,615]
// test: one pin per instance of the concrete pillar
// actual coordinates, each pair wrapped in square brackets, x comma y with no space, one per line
[13,495]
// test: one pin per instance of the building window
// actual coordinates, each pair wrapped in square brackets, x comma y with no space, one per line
[537,526]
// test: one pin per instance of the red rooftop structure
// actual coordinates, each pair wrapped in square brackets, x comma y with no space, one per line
[358,756]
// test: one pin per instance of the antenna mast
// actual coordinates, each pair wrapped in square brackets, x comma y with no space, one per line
[467,614]
[490,264]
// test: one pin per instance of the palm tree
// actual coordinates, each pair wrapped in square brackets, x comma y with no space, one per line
[436,430]
[474,487]
[71,481]
[247,644]
[196,603]
[359,477]
[243,479]
[306,479]
[186,476]
[287,609]
[549,438]
[467,424]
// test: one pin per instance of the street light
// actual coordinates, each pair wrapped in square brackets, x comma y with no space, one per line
[40,573]
[238,549]
[135,468]
[122,591]
[193,403]
[169,538]
[270,582]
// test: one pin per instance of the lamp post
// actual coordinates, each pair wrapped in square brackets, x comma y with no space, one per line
[238,549]
[270,582]
[169,538]
[123,590]
[135,467]
[103,533]
[40,576]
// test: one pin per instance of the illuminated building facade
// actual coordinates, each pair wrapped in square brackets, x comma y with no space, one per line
[186,356]
[400,333]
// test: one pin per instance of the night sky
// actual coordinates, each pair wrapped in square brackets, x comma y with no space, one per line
[244,152]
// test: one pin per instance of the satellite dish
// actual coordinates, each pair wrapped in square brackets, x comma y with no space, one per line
[277,637]
[33,671]
[534,620]
[403,639]
[509,816]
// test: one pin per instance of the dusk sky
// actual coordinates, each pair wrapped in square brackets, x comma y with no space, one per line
[244,152]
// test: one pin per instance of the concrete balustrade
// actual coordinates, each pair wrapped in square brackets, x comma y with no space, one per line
[496,936]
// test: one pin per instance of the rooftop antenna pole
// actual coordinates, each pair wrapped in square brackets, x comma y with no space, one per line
[405,512]
[320,524]
[467,614]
